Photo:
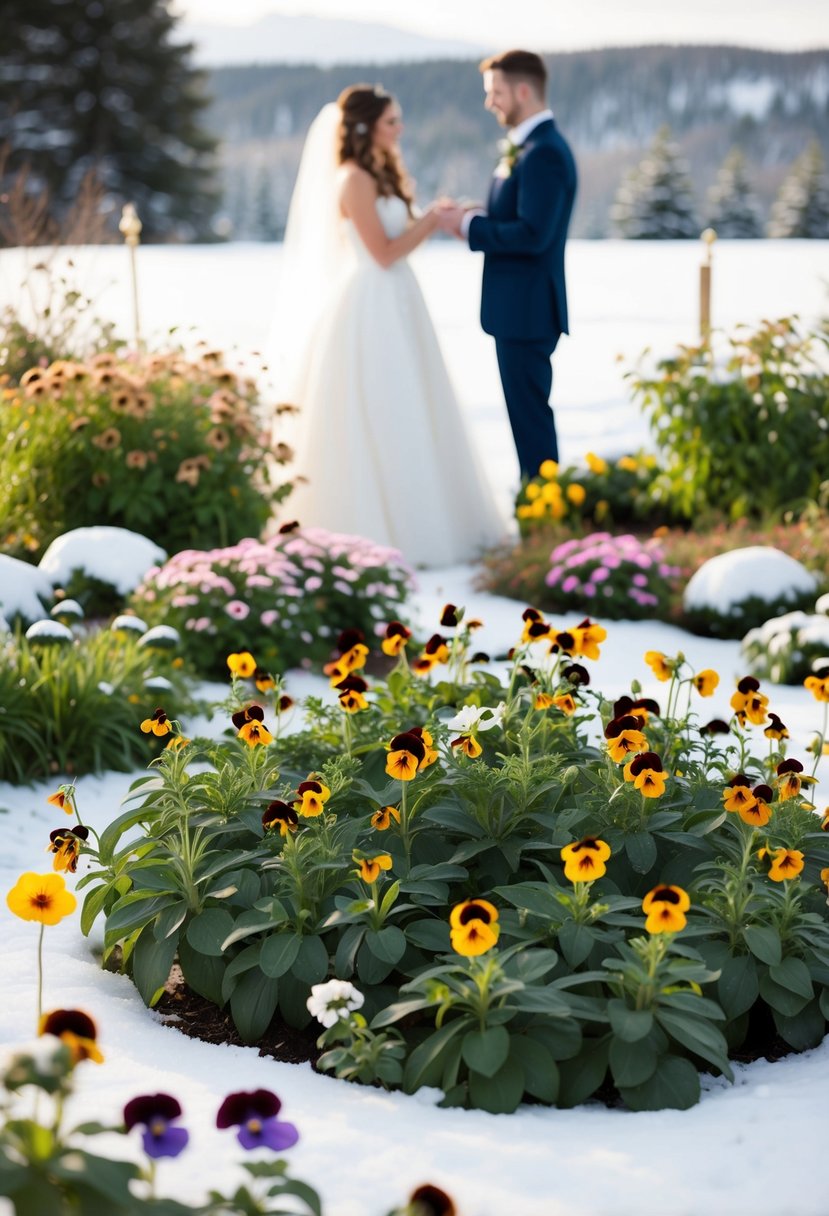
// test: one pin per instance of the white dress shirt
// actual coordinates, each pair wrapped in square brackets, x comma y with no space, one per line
[516,136]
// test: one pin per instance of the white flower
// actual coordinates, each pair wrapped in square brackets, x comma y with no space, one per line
[334,1000]
[484,717]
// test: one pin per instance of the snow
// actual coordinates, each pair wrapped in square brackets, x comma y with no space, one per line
[112,555]
[24,589]
[730,578]
[537,1162]
[48,631]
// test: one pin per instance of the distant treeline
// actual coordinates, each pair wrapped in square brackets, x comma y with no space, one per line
[609,103]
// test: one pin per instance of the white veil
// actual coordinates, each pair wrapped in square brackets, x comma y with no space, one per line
[315,253]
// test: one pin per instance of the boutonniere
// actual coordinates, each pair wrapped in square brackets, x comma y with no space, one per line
[509,155]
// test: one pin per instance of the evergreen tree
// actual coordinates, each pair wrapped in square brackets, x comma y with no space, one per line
[265,223]
[654,201]
[802,207]
[732,209]
[100,85]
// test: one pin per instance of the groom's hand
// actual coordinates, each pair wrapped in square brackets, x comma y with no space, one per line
[449,218]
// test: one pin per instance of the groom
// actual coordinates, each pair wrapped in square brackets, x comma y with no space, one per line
[522,235]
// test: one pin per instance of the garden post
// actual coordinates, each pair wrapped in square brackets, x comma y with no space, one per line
[130,227]
[708,236]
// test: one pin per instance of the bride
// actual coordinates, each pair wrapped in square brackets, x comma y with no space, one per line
[381,445]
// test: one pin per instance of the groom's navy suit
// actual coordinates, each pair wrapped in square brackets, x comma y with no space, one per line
[523,299]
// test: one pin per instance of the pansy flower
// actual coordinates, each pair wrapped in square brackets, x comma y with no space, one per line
[64,799]
[437,649]
[155,1113]
[661,666]
[543,700]
[474,927]
[715,727]
[665,908]
[758,812]
[451,616]
[41,897]
[738,795]
[640,707]
[705,682]
[158,724]
[824,823]
[624,737]
[430,753]
[280,815]
[242,664]
[468,745]
[353,653]
[775,729]
[76,1030]
[647,774]
[749,703]
[566,703]
[824,878]
[383,816]
[588,635]
[397,635]
[428,1200]
[584,860]
[313,796]
[535,627]
[368,868]
[791,778]
[576,674]
[351,691]
[781,864]
[255,1114]
[263,680]
[66,843]
[406,753]
[284,704]
[250,726]
[818,684]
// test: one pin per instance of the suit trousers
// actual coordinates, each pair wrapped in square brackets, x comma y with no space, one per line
[527,378]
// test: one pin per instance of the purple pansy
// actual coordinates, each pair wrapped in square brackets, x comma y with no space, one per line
[155,1113]
[255,1114]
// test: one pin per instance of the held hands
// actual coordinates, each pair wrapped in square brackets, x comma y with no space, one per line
[449,214]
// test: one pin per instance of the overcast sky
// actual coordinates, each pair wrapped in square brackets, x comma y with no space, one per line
[558,25]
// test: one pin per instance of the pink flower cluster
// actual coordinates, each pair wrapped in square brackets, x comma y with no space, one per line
[625,574]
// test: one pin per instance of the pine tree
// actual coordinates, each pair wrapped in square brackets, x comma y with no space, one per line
[266,226]
[732,209]
[802,206]
[96,85]
[654,201]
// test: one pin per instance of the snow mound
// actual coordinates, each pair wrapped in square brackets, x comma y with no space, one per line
[49,631]
[111,555]
[759,572]
[22,588]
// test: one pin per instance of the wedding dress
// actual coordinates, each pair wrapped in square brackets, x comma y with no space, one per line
[381,440]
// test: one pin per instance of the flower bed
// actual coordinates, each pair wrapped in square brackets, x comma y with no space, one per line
[525,891]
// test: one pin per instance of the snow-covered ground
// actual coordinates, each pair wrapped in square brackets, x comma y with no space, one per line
[624,296]
[365,1149]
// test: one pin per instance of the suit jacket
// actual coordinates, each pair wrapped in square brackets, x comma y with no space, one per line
[522,236]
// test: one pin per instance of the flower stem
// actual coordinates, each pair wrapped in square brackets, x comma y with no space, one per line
[40,976]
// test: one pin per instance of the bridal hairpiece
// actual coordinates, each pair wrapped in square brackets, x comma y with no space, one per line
[379,91]
[361,128]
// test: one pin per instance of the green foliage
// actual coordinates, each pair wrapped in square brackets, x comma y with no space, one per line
[286,598]
[167,448]
[654,201]
[75,707]
[786,649]
[599,494]
[746,436]
[265,896]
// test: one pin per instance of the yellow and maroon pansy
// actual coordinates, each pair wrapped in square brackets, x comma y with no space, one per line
[665,908]
[383,816]
[451,616]
[406,753]
[280,815]
[705,682]
[437,649]
[535,627]
[158,724]
[824,877]
[584,860]
[397,635]
[250,726]
[263,680]
[776,729]
[474,927]
[640,707]
[64,799]
[738,795]
[41,897]
[431,753]
[467,744]
[818,684]
[369,867]
[566,703]
[543,700]
[791,778]
[76,1030]
[66,843]
[313,796]
[284,704]
[758,812]
[824,823]
[624,737]
[242,664]
[749,703]
[781,864]
[588,636]
[351,691]
[647,774]
[661,666]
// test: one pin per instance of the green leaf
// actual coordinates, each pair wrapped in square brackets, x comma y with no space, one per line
[132,912]
[541,1078]
[792,973]
[253,1003]
[764,943]
[582,1075]
[541,1000]
[93,905]
[244,960]
[168,921]
[208,931]
[641,850]
[311,965]
[501,1093]
[632,1063]
[387,944]
[203,973]
[673,1086]
[151,963]
[699,1036]
[629,1024]
[806,1029]
[782,1000]
[425,1065]
[278,953]
[738,986]
[347,948]
[485,1051]
[576,942]
[430,934]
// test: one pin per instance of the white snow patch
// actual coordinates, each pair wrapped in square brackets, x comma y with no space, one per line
[67,608]
[127,623]
[162,636]
[111,555]
[24,589]
[728,579]
[49,631]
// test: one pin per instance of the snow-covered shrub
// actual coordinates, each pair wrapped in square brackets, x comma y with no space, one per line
[285,599]
[25,591]
[791,647]
[100,566]
[619,577]
[742,589]
[169,448]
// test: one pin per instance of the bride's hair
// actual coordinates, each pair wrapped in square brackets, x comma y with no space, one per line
[360,106]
